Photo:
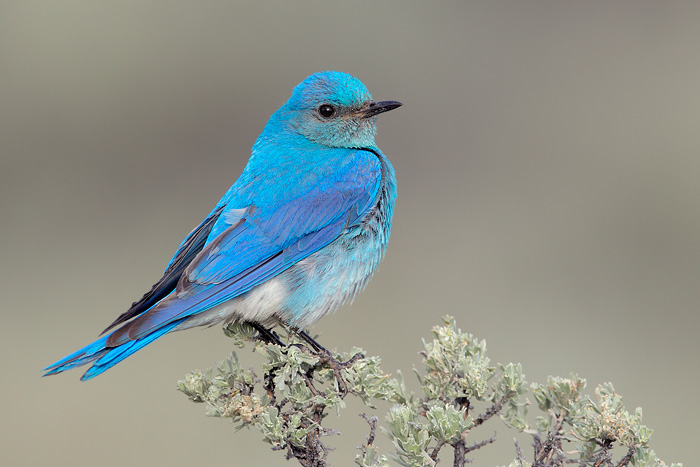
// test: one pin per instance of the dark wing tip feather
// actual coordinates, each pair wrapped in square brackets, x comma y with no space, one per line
[192,245]
[160,289]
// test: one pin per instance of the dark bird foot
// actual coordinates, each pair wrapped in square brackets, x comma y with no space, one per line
[314,348]
[326,358]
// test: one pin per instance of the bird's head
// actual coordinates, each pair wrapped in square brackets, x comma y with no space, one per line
[335,109]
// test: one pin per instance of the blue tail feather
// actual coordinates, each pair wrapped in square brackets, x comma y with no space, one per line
[87,354]
[118,354]
[105,357]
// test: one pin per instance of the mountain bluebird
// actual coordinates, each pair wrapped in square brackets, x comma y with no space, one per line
[298,234]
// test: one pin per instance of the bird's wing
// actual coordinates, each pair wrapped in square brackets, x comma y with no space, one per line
[188,249]
[260,243]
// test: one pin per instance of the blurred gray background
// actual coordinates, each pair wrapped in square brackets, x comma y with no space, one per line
[548,164]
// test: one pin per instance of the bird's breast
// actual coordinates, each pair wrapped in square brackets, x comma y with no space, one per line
[328,278]
[337,273]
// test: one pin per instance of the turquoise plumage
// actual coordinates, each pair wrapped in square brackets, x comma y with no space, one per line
[298,234]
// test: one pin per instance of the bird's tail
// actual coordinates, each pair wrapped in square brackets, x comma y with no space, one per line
[105,357]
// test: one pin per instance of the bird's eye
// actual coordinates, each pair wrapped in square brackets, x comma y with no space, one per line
[326,110]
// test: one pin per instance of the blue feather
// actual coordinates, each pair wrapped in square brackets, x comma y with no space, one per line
[299,233]
[117,354]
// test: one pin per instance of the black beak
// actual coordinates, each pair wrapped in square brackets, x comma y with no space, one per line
[376,108]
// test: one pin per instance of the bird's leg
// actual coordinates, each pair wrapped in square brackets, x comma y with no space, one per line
[266,335]
[310,340]
[324,353]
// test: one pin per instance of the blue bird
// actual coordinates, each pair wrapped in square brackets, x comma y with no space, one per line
[298,234]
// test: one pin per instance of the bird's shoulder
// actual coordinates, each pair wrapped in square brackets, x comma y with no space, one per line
[272,181]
